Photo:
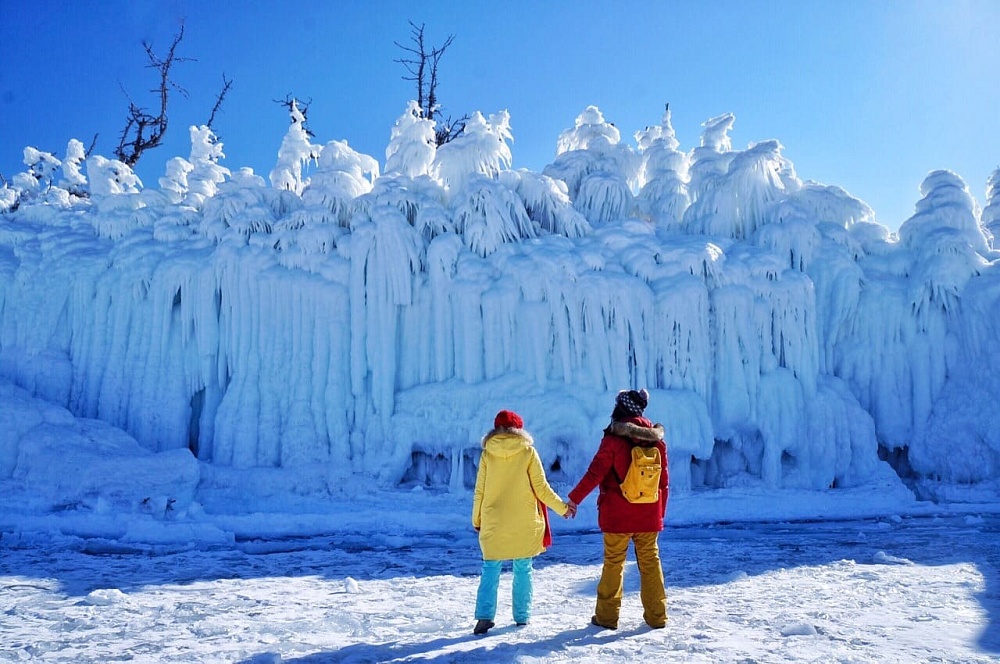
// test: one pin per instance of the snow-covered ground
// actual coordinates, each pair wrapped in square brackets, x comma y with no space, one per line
[897,589]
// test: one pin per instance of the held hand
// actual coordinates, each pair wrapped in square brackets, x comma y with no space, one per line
[571,511]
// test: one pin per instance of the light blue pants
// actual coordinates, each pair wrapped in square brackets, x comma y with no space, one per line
[489,583]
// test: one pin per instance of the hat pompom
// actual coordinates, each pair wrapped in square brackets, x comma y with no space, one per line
[508,419]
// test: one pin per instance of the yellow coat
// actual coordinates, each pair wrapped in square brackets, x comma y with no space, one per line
[509,484]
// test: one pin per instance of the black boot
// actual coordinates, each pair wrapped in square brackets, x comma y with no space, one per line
[482,626]
[595,623]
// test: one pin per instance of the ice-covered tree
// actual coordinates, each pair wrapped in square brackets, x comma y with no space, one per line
[42,167]
[990,219]
[118,199]
[658,149]
[109,177]
[174,182]
[663,197]
[421,201]
[710,161]
[481,149]
[817,202]
[411,146]
[547,203]
[206,174]
[73,179]
[814,214]
[590,130]
[744,199]
[947,205]
[195,179]
[8,198]
[295,152]
[244,206]
[328,206]
[946,241]
[488,214]
[604,197]
[599,171]
[342,174]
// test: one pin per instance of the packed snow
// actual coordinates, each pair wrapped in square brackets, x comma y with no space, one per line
[251,409]
[394,584]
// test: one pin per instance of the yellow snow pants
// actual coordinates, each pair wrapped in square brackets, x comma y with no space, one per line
[609,588]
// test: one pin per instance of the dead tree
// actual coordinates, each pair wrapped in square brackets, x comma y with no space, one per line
[227,83]
[144,130]
[422,68]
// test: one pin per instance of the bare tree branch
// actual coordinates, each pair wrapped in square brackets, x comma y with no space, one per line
[93,143]
[447,130]
[415,67]
[227,83]
[134,137]
[435,57]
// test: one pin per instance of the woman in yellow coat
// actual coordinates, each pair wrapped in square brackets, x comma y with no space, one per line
[508,511]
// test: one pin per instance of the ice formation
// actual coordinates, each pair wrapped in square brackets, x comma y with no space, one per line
[294,154]
[991,213]
[663,173]
[372,322]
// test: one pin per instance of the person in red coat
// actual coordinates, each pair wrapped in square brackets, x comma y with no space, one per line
[622,521]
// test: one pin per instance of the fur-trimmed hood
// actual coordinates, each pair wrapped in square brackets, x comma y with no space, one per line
[642,435]
[505,442]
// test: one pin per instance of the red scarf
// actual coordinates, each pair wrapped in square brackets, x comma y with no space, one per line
[547,535]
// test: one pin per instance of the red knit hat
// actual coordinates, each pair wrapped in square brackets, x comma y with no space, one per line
[508,419]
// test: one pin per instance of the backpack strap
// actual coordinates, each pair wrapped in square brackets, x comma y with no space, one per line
[614,469]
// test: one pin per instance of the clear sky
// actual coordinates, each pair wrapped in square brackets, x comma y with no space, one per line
[868,95]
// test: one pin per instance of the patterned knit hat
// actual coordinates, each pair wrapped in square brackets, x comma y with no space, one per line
[632,402]
[508,419]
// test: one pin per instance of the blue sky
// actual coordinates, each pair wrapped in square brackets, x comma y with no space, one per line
[868,95]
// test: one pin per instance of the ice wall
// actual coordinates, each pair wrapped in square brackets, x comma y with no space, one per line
[374,324]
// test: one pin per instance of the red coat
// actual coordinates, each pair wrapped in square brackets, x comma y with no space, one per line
[614,513]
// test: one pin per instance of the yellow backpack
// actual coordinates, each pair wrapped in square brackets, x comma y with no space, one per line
[642,481]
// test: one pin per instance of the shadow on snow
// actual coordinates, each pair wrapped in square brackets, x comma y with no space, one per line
[692,556]
[487,652]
